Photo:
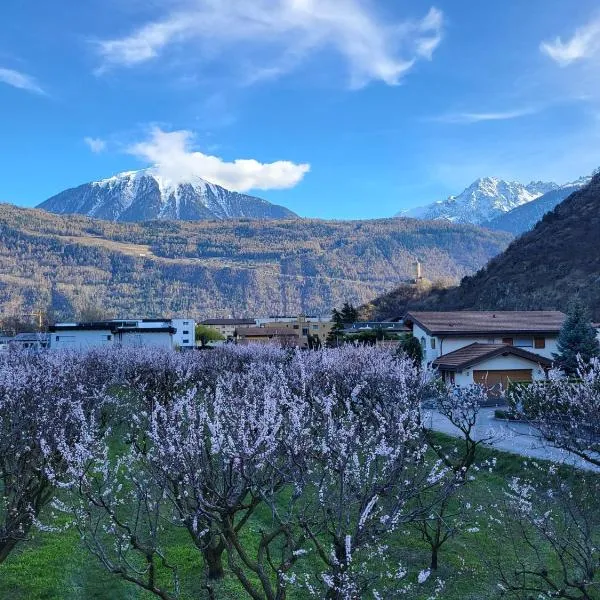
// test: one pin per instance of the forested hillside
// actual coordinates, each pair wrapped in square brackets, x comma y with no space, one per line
[544,269]
[67,263]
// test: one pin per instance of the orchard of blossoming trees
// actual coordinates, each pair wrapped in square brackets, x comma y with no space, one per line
[328,448]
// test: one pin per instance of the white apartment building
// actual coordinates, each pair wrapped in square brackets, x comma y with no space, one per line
[164,333]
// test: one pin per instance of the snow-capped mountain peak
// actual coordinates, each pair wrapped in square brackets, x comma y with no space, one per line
[145,195]
[483,200]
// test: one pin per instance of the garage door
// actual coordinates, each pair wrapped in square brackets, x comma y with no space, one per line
[498,381]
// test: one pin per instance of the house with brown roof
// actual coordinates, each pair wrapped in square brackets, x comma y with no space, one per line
[494,366]
[491,347]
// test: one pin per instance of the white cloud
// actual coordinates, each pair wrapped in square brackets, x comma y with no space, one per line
[20,81]
[274,36]
[585,43]
[479,117]
[96,145]
[144,44]
[173,158]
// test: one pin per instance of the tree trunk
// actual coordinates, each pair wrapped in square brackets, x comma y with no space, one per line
[213,559]
[434,559]
[6,547]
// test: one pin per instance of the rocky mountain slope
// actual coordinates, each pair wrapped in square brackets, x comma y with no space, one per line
[543,269]
[524,217]
[221,268]
[482,201]
[144,195]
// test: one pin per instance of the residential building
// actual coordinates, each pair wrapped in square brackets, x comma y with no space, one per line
[30,341]
[290,330]
[285,337]
[228,327]
[444,332]
[164,333]
[487,346]
[491,365]
[388,327]
[302,326]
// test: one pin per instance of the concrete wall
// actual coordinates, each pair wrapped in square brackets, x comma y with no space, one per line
[80,339]
[156,340]
[181,338]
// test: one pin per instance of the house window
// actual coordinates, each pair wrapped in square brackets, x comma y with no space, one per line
[433,343]
[186,341]
[108,338]
[305,331]
[507,341]
[186,333]
[295,326]
[539,343]
[423,345]
[524,342]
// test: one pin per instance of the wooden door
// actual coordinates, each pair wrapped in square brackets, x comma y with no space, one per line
[497,382]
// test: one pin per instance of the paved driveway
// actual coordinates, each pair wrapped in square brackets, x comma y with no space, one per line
[518,438]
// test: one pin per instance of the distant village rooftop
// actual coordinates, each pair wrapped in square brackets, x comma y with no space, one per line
[267,332]
[482,322]
[210,322]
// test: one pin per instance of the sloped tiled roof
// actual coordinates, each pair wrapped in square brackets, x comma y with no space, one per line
[31,337]
[466,322]
[266,332]
[229,322]
[476,353]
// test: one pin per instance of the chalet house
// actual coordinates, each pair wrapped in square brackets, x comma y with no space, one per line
[162,333]
[487,347]
[491,365]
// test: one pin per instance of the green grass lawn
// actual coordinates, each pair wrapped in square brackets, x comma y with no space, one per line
[57,566]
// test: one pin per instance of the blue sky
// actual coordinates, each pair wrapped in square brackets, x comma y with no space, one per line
[353,109]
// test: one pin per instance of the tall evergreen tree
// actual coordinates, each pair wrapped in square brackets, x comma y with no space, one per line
[577,338]
[349,313]
[336,334]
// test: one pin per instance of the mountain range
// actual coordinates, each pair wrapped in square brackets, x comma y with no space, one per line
[498,204]
[524,217]
[233,267]
[137,196]
[145,195]
[545,268]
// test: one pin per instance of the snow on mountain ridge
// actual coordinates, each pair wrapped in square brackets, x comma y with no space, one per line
[145,195]
[483,200]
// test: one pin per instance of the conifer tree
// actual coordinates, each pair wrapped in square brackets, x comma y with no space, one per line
[349,313]
[577,338]
[336,334]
